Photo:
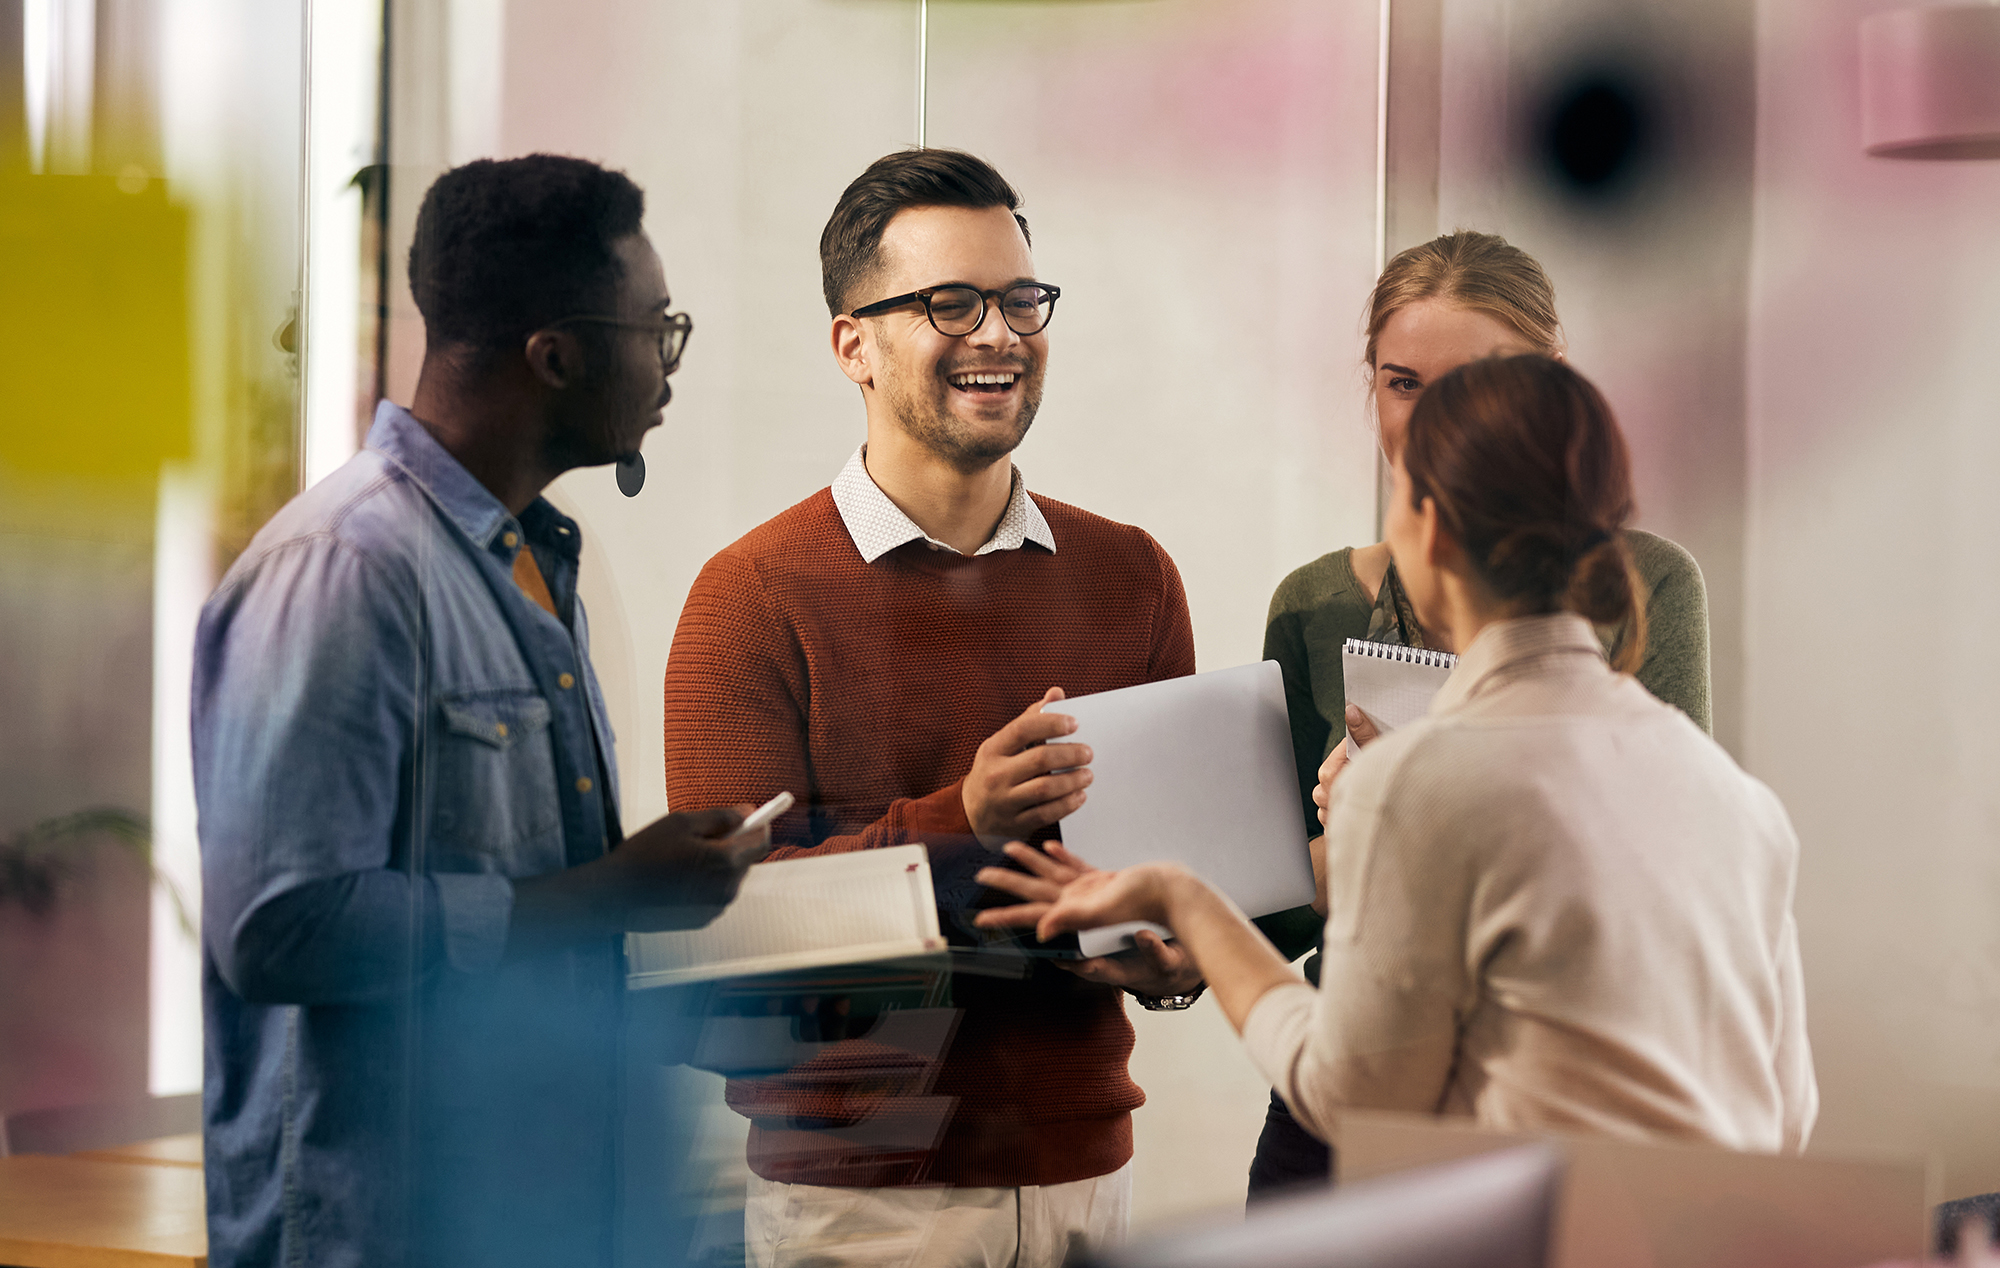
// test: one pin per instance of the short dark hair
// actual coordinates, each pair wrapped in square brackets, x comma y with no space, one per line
[505,247]
[850,247]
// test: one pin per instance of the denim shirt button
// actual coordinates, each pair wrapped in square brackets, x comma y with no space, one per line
[566,681]
[583,783]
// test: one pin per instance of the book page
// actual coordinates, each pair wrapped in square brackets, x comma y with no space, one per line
[802,913]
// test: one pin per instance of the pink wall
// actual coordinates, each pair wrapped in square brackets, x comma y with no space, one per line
[1873,590]
[76,623]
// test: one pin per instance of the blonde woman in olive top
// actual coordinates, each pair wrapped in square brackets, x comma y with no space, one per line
[1455,299]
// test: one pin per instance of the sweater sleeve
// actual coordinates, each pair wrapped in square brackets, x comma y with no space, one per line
[1798,1088]
[1173,628]
[1296,931]
[1675,667]
[1381,1032]
[1309,592]
[737,697]
[1284,642]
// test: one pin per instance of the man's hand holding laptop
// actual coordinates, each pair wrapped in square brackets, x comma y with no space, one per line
[1023,777]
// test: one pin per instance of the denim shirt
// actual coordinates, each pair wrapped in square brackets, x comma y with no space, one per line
[387,734]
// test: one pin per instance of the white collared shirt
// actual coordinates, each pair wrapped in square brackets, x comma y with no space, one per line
[878,525]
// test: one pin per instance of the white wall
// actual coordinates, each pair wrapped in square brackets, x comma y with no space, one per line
[1873,595]
[1651,282]
[1200,180]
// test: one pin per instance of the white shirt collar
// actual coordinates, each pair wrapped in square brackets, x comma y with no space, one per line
[878,525]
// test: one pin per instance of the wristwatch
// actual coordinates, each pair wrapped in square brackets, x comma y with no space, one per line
[1170,1003]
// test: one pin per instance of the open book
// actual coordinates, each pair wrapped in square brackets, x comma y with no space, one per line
[802,914]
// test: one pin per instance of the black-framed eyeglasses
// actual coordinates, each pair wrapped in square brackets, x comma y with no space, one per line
[959,310]
[671,329]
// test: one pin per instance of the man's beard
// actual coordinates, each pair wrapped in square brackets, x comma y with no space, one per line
[928,420]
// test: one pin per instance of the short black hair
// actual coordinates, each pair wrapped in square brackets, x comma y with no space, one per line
[505,247]
[850,247]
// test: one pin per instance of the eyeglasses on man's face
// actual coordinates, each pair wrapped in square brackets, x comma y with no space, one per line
[671,329]
[957,311]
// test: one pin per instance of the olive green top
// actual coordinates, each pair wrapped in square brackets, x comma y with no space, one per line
[1321,605]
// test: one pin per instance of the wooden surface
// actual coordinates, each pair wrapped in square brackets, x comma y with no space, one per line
[87,1213]
[168,1151]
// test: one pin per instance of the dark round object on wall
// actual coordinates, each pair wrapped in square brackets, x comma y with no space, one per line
[1597,133]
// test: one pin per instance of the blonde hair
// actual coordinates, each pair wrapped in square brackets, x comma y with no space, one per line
[1480,271]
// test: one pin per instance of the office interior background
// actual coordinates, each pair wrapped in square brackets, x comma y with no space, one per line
[202,240]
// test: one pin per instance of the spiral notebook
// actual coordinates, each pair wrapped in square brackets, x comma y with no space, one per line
[1390,683]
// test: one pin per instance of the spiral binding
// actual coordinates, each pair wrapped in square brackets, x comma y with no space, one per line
[1396,652]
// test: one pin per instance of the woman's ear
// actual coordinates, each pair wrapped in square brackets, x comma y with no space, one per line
[1440,549]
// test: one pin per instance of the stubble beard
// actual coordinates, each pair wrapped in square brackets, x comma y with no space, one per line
[928,420]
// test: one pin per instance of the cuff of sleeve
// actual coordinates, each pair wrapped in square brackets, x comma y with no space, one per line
[942,811]
[476,909]
[1274,1035]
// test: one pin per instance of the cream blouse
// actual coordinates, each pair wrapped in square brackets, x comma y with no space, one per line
[1556,904]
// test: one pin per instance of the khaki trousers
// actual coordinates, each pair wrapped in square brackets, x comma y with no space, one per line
[1034,1226]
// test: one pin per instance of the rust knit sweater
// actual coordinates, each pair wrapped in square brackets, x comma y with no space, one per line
[864,689]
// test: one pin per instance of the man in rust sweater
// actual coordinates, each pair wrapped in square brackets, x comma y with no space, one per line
[884,650]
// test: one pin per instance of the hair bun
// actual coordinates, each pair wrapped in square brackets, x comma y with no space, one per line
[1603,581]
[1534,560]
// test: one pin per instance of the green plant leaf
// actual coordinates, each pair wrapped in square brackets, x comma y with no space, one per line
[34,860]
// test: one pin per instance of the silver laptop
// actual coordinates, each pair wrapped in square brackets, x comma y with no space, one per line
[1199,771]
[1627,1202]
[1494,1211]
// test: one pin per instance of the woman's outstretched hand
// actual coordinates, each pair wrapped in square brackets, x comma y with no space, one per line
[1065,894]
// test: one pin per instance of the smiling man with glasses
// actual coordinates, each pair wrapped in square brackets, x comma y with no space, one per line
[884,650]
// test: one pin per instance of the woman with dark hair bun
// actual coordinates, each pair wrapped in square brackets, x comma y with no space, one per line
[1442,303]
[1556,903]
[1519,460]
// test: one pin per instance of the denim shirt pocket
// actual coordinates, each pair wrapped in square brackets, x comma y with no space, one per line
[494,775]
